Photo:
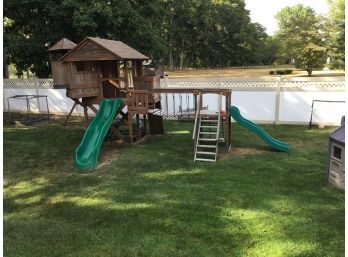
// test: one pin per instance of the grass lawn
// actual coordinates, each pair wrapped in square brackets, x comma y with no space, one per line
[249,72]
[153,200]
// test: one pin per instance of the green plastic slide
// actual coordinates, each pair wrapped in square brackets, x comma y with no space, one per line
[277,144]
[87,152]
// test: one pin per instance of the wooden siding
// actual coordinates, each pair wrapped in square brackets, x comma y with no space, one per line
[82,84]
[59,73]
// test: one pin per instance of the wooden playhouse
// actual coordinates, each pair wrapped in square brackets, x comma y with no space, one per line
[99,68]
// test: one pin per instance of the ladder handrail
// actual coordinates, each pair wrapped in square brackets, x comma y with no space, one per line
[219,125]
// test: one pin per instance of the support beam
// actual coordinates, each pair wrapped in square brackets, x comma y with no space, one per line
[92,108]
[68,117]
[85,109]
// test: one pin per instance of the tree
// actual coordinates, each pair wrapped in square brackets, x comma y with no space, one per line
[174,33]
[336,28]
[270,50]
[303,38]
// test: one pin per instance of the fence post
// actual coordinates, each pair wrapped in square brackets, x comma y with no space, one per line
[277,101]
[4,100]
[165,81]
[38,98]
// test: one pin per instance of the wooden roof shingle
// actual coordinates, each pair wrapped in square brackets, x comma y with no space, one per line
[63,44]
[118,49]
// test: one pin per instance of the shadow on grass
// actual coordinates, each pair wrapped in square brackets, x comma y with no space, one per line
[154,201]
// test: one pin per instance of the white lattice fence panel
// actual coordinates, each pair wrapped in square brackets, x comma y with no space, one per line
[314,84]
[28,83]
[220,84]
[248,84]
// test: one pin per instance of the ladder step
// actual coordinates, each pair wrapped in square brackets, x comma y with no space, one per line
[207,146]
[206,153]
[208,133]
[215,127]
[205,160]
[208,139]
[215,121]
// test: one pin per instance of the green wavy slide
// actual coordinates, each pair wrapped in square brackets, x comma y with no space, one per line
[277,144]
[87,153]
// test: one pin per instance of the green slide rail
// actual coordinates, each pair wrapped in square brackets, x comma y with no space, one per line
[87,153]
[277,144]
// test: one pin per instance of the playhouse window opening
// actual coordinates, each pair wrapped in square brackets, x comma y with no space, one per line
[337,152]
[84,66]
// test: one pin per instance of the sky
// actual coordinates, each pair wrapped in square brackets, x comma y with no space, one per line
[263,11]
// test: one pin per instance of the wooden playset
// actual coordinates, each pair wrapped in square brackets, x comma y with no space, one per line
[111,74]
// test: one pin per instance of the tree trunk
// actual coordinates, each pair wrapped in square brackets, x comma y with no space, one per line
[171,64]
[182,59]
[309,71]
[5,66]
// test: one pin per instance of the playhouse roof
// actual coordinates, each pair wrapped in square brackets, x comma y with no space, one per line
[63,44]
[91,49]
[338,135]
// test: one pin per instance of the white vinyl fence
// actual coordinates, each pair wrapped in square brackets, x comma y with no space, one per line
[283,101]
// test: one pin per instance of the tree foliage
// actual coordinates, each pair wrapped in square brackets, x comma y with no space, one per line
[303,36]
[174,33]
[336,28]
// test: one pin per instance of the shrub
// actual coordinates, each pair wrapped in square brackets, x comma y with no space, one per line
[282,72]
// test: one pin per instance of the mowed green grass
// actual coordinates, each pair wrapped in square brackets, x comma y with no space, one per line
[153,200]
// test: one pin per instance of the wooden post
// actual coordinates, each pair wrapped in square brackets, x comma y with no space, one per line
[200,101]
[139,68]
[130,129]
[195,101]
[228,118]
[145,125]
[85,109]
[133,69]
[125,64]
[138,126]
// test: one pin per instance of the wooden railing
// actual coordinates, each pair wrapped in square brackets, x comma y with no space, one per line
[138,101]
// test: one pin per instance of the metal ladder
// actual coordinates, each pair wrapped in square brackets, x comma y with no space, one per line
[207,134]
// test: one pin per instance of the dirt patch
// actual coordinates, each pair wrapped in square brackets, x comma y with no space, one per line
[108,156]
[238,151]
